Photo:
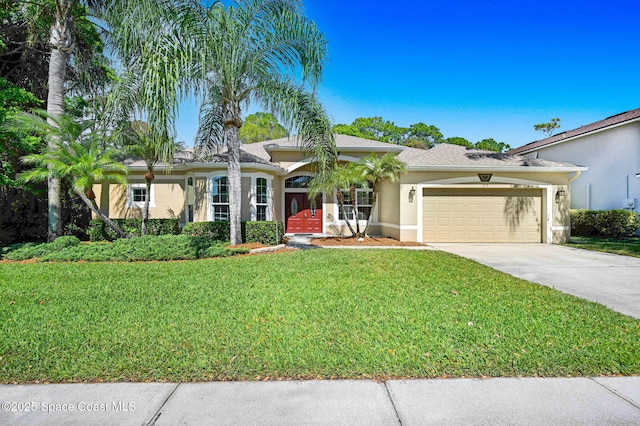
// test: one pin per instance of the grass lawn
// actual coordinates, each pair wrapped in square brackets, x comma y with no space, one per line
[625,246]
[302,314]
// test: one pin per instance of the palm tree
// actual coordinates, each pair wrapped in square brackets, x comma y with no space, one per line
[378,169]
[63,41]
[341,176]
[75,155]
[253,51]
[154,149]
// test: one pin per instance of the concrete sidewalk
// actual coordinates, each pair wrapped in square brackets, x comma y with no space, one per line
[522,401]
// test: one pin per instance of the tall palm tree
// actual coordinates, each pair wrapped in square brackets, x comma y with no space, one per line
[378,169]
[75,155]
[115,14]
[153,149]
[253,51]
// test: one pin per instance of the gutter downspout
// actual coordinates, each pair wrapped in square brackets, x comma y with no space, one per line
[576,176]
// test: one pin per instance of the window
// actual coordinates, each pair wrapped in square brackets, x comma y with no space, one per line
[364,200]
[220,198]
[139,195]
[190,200]
[136,195]
[262,199]
[298,182]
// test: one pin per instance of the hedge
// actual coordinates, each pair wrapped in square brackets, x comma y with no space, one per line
[218,231]
[604,223]
[261,232]
[268,233]
[100,231]
[163,247]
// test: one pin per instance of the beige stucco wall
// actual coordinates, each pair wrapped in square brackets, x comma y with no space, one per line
[168,198]
[201,198]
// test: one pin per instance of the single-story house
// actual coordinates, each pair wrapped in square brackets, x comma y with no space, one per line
[610,148]
[449,193]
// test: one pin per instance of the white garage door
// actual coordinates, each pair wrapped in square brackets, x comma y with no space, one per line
[482,215]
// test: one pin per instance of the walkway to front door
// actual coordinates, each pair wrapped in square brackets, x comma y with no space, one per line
[304,216]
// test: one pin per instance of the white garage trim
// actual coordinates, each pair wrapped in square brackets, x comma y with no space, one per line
[497,182]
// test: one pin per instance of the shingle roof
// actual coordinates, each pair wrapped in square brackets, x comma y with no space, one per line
[442,156]
[460,156]
[182,156]
[187,156]
[342,141]
[598,125]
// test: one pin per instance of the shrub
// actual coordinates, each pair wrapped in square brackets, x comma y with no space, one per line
[269,233]
[163,247]
[218,231]
[604,223]
[35,250]
[100,231]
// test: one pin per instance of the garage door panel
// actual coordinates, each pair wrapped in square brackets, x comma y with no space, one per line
[505,215]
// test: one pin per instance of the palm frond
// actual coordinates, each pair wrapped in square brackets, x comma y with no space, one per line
[209,137]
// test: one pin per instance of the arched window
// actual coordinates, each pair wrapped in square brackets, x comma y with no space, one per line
[298,182]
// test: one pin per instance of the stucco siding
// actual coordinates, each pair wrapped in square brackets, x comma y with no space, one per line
[168,202]
[201,213]
[389,203]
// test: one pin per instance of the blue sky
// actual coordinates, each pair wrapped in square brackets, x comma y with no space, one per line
[475,69]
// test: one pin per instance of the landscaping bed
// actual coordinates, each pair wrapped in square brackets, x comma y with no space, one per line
[366,242]
[299,314]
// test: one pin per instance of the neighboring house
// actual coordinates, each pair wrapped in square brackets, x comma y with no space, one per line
[449,193]
[610,148]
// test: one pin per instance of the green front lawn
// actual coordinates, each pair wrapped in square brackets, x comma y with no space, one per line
[625,246]
[303,314]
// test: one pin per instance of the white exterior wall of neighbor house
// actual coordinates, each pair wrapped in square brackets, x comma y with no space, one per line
[613,158]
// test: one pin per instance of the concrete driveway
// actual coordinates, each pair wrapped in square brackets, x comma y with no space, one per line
[610,279]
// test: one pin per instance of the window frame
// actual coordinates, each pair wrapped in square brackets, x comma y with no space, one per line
[261,202]
[131,203]
[217,204]
[360,190]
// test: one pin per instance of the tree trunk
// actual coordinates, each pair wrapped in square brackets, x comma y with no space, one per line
[232,123]
[55,107]
[373,206]
[103,217]
[148,177]
[354,194]
[61,41]
[344,212]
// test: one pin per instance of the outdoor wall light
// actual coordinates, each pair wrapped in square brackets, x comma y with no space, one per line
[560,193]
[412,194]
[485,177]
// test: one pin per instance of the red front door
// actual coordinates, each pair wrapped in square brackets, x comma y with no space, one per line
[304,216]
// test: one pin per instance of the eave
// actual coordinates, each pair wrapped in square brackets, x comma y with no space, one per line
[521,169]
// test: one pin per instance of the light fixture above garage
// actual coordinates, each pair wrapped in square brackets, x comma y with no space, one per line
[485,177]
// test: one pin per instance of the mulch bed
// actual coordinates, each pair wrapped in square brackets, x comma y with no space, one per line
[366,242]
